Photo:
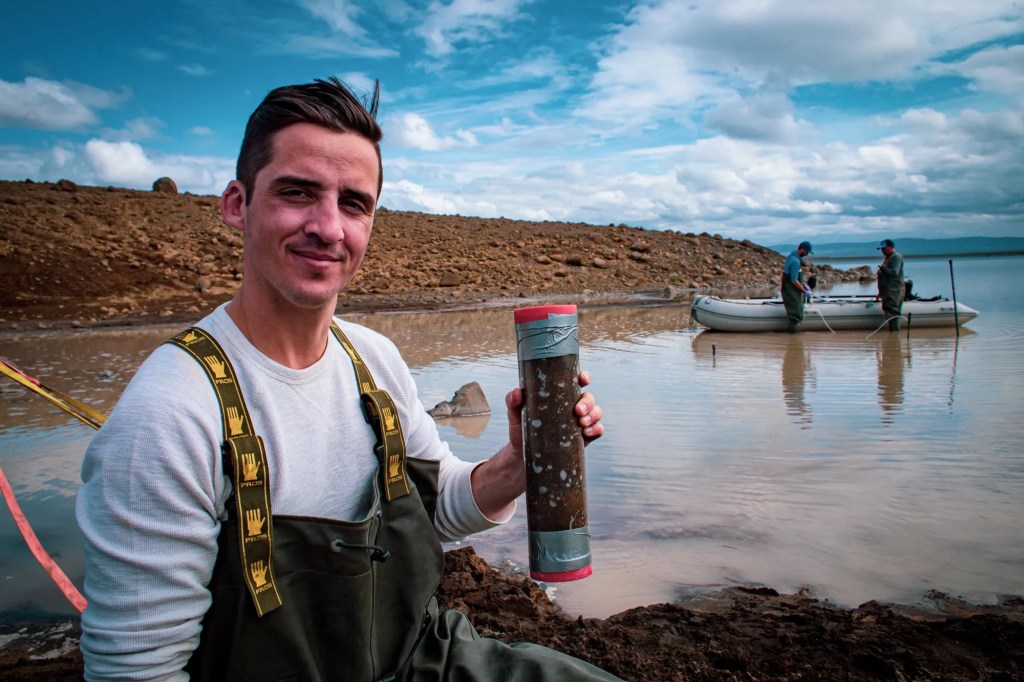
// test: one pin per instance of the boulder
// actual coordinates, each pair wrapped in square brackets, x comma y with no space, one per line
[165,185]
[469,400]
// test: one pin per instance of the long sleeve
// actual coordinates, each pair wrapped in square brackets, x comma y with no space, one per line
[153,493]
[148,511]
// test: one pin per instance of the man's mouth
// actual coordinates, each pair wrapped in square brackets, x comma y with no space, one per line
[318,256]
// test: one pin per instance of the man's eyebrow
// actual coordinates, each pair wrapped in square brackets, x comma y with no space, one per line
[295,180]
[365,198]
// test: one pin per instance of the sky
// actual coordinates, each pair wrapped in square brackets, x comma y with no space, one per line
[768,120]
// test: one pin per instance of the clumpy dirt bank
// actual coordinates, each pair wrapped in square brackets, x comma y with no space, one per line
[736,634]
[86,256]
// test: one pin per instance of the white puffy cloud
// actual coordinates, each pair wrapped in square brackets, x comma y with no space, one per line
[883,156]
[404,195]
[48,105]
[127,164]
[768,118]
[344,33]
[465,21]
[645,82]
[340,17]
[924,120]
[667,56]
[412,130]
[141,128]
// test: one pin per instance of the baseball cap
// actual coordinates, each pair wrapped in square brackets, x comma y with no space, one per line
[886,243]
[805,245]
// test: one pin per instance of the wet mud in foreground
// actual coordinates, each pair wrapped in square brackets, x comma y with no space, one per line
[736,634]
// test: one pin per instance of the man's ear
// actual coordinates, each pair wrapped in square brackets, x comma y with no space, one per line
[232,205]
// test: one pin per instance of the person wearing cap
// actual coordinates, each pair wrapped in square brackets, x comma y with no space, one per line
[793,288]
[891,283]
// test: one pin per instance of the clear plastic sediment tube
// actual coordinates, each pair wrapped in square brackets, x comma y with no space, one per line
[547,346]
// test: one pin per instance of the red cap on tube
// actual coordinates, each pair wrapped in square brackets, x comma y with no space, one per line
[562,576]
[541,312]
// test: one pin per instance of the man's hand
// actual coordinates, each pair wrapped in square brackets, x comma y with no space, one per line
[502,478]
[588,415]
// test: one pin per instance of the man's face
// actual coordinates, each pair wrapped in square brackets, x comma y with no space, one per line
[309,217]
[887,251]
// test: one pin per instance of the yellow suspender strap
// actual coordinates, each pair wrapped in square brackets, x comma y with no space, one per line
[250,474]
[380,413]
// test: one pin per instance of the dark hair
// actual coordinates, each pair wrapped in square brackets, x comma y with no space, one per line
[328,103]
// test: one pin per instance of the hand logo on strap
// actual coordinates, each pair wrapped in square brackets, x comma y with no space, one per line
[235,421]
[258,571]
[254,522]
[389,418]
[250,467]
[216,365]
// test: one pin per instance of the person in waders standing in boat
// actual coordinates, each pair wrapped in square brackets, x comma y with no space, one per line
[268,498]
[793,288]
[891,284]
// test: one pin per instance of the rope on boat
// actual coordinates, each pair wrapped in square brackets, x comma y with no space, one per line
[822,316]
[88,416]
[894,317]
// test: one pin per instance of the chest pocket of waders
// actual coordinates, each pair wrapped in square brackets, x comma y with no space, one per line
[244,454]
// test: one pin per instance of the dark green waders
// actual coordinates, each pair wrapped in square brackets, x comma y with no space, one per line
[892,303]
[357,598]
[793,299]
[892,290]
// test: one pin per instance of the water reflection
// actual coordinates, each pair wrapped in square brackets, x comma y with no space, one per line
[890,356]
[467,427]
[796,372]
[800,357]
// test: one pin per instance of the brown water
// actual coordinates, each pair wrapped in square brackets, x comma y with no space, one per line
[857,466]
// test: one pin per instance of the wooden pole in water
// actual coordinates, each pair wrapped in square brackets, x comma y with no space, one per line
[952,283]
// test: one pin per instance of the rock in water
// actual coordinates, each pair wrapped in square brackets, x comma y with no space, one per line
[467,401]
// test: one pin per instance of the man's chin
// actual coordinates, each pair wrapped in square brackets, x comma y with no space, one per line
[315,299]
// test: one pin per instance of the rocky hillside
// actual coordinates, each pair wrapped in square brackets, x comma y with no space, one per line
[81,255]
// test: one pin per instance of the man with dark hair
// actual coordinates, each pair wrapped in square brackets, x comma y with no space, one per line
[793,289]
[267,499]
[891,284]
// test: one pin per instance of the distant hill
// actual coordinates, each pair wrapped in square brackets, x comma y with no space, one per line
[913,247]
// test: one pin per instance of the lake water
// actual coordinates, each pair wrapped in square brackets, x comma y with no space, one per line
[854,466]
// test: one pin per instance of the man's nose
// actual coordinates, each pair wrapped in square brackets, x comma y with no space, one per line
[326,222]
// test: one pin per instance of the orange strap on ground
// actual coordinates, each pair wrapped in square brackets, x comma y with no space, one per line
[47,562]
[87,415]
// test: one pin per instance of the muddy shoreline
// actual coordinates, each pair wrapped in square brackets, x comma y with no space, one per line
[751,633]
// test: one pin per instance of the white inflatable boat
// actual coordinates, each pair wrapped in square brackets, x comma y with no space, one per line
[823,313]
